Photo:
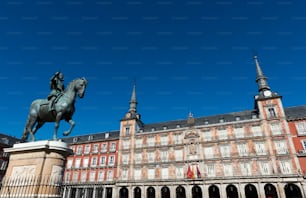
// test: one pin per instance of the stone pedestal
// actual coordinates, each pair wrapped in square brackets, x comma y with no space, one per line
[35,169]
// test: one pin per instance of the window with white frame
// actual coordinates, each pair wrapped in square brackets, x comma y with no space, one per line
[113,146]
[124,174]
[256,131]
[95,148]
[102,161]
[178,154]
[127,130]
[111,160]
[209,152]
[179,172]
[164,173]
[137,173]
[264,167]
[210,170]
[245,168]
[110,175]
[125,158]
[285,166]
[177,138]
[222,134]
[138,158]
[243,149]
[83,176]
[164,140]
[126,144]
[87,149]
[228,169]
[101,176]
[79,150]
[77,162]
[67,177]
[239,132]
[276,128]
[271,112]
[260,148]
[225,150]
[75,176]
[301,128]
[138,142]
[151,157]
[304,144]
[92,176]
[151,141]
[85,162]
[104,148]
[151,173]
[207,135]
[281,147]
[94,161]
[69,163]
[164,156]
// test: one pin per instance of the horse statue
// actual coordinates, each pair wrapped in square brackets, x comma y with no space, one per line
[63,109]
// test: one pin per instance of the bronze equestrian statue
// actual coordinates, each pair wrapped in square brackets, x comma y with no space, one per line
[63,109]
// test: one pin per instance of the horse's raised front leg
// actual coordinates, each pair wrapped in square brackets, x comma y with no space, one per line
[56,125]
[72,124]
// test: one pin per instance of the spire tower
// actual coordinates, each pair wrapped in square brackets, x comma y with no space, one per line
[261,79]
[133,102]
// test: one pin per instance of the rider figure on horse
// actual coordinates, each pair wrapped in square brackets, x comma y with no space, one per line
[57,87]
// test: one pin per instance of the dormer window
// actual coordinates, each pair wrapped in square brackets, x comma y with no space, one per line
[206,122]
[178,126]
[254,116]
[106,135]
[221,120]
[75,139]
[152,129]
[237,118]
[90,138]
[165,127]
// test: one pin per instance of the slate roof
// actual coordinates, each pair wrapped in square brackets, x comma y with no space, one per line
[95,137]
[295,113]
[7,140]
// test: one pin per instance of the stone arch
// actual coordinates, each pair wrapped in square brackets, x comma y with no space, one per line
[180,192]
[196,191]
[165,192]
[292,191]
[213,191]
[270,191]
[137,192]
[231,191]
[124,193]
[150,192]
[250,191]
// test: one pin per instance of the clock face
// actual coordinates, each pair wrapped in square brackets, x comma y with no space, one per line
[267,93]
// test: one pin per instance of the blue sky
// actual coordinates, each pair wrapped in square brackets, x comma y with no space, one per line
[188,55]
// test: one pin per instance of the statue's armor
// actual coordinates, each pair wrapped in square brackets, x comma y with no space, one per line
[57,87]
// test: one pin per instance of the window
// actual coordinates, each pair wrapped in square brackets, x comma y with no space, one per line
[221,120]
[301,128]
[153,129]
[151,141]
[245,168]
[125,158]
[151,173]
[228,169]
[67,177]
[225,150]
[92,176]
[237,118]
[256,131]
[207,135]
[111,160]
[102,161]
[137,174]
[90,137]
[177,138]
[178,155]
[83,176]
[75,139]
[101,176]
[150,157]
[271,112]
[138,158]
[79,150]
[179,172]
[239,132]
[164,156]
[243,149]
[164,173]
[206,122]
[260,148]
[210,169]
[69,163]
[265,168]
[275,128]
[304,144]
[85,162]
[164,140]
[104,148]
[281,147]
[87,149]
[110,175]
[209,152]
[285,167]
[222,134]
[138,142]
[94,162]
[178,126]
[77,162]
[106,135]
[165,127]
[127,131]
[75,176]
[113,146]
[124,174]
[126,144]
[95,148]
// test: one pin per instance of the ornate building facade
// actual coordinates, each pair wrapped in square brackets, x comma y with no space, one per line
[249,154]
